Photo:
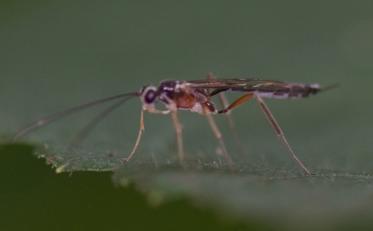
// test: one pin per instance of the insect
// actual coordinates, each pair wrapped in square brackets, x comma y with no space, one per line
[197,96]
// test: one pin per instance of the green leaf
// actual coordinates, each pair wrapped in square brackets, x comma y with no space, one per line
[58,55]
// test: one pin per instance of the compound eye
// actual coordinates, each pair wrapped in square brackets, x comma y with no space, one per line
[150,94]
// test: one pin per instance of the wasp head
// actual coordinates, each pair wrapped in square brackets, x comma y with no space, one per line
[149,94]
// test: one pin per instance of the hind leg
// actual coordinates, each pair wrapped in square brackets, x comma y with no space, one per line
[279,132]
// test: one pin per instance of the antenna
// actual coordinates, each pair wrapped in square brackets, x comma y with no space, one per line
[44,121]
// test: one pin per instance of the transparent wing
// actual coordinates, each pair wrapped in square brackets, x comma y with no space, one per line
[265,88]
[234,84]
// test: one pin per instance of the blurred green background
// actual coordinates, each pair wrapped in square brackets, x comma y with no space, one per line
[55,54]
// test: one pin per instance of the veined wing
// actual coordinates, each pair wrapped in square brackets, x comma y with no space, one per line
[235,84]
[264,88]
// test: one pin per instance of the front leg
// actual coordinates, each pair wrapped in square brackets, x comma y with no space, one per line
[138,139]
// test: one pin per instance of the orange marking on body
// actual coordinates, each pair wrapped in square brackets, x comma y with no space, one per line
[238,102]
[184,100]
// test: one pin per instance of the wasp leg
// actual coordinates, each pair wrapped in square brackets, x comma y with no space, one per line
[219,137]
[237,102]
[279,132]
[224,102]
[179,136]
[153,110]
[172,110]
[138,139]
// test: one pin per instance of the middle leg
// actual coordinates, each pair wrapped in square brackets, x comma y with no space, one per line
[219,137]
[224,102]
[179,136]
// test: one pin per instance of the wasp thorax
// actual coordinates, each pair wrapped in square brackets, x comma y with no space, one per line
[149,94]
[168,85]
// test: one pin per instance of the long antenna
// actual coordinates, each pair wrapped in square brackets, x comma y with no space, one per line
[58,115]
[84,132]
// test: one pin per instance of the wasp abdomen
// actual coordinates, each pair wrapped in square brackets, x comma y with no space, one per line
[291,91]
